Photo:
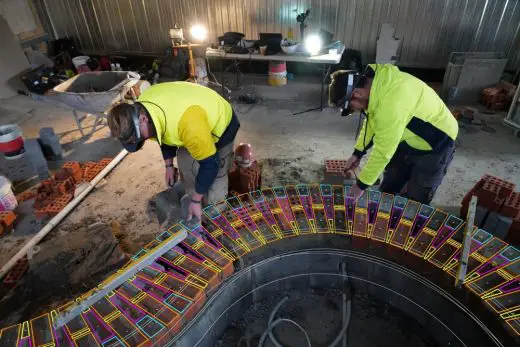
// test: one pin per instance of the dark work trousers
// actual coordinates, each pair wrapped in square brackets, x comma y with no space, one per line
[421,173]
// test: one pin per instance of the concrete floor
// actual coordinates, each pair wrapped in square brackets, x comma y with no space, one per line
[291,149]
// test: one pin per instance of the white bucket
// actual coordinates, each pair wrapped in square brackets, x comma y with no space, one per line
[7,199]
[80,60]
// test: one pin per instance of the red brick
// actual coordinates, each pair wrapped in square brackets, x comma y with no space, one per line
[53,205]
[473,192]
[7,219]
[40,200]
[19,269]
[227,270]
[507,187]
[511,206]
[92,170]
[63,174]
[492,205]
[27,195]
[105,161]
[337,166]
[74,168]
[46,187]
[65,186]
[87,168]
[243,180]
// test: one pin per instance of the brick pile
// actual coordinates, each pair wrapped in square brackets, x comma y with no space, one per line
[498,98]
[54,194]
[245,179]
[7,219]
[26,195]
[496,198]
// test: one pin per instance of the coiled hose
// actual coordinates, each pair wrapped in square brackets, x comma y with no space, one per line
[273,323]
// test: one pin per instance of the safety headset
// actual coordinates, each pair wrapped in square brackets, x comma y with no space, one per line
[349,90]
[136,110]
[351,85]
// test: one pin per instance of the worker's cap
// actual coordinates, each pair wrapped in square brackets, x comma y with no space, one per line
[123,121]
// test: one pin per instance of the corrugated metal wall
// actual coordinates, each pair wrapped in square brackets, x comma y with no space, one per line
[429,29]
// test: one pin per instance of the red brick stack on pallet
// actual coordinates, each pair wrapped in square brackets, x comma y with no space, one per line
[54,194]
[497,196]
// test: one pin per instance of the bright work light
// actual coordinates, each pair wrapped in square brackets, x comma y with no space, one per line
[199,32]
[313,44]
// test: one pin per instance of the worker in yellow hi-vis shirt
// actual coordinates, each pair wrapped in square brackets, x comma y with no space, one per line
[191,122]
[408,127]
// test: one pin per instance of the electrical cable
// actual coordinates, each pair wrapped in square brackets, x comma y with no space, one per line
[270,321]
[345,326]
[273,323]
[217,83]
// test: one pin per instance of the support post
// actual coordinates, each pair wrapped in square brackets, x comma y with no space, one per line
[466,242]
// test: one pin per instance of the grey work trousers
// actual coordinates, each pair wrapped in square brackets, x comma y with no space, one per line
[421,173]
[189,167]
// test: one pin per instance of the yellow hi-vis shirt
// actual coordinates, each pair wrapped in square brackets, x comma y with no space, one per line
[402,110]
[187,115]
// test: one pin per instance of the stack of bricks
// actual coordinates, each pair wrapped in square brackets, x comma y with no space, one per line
[498,200]
[15,275]
[54,194]
[92,169]
[26,195]
[498,98]
[7,219]
[245,179]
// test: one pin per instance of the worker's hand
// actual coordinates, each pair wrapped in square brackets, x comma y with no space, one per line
[194,210]
[352,163]
[356,192]
[169,176]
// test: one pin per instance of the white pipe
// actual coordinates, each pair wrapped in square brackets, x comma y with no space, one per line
[61,215]
[344,305]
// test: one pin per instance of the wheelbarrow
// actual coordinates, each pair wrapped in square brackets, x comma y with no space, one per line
[90,92]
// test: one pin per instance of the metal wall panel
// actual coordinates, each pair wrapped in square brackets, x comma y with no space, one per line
[429,29]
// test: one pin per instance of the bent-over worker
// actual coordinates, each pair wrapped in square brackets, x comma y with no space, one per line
[409,128]
[189,121]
